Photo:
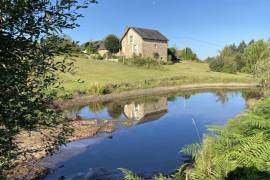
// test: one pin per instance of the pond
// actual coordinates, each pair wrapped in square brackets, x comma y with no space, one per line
[150,133]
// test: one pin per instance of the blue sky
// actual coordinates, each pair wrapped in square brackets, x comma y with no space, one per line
[204,25]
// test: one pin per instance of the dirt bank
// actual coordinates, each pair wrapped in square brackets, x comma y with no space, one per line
[34,144]
[84,99]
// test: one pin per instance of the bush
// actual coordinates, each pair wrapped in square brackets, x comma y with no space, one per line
[142,62]
[96,57]
[216,65]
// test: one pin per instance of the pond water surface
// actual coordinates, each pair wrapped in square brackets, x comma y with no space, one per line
[151,132]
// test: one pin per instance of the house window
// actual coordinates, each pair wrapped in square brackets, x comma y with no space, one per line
[137,107]
[131,39]
[156,46]
[135,49]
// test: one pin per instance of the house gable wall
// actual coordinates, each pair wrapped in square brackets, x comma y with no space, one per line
[128,48]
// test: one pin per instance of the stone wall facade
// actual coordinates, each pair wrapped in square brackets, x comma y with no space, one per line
[132,44]
[155,47]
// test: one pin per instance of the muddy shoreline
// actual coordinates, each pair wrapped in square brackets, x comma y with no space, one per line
[86,99]
[27,165]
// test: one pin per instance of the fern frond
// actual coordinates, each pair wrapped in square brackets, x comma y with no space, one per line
[128,175]
[252,151]
[191,150]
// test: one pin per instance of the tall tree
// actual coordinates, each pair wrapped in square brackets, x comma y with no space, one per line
[241,47]
[252,54]
[28,68]
[112,43]
[262,69]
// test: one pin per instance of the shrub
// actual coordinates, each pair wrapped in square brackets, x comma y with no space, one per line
[97,89]
[216,65]
[142,62]
[96,57]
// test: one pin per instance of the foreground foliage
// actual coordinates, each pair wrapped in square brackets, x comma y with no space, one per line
[241,150]
[28,36]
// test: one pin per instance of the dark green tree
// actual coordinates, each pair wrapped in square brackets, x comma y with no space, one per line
[112,43]
[241,47]
[172,54]
[28,68]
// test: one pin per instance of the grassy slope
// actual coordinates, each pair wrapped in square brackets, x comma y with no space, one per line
[103,72]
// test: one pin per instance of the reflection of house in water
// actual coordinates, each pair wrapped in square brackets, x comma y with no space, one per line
[147,111]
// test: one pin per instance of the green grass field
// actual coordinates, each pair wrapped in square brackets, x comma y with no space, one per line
[123,77]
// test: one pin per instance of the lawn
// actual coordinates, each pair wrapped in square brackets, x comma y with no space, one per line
[123,77]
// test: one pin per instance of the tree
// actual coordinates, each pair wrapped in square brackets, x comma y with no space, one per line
[90,47]
[262,70]
[112,43]
[188,54]
[216,65]
[172,54]
[252,54]
[28,69]
[64,42]
[241,47]
[225,61]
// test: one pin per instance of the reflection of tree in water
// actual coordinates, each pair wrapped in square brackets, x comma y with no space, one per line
[252,94]
[222,97]
[96,107]
[187,96]
[115,110]
[184,94]
[172,98]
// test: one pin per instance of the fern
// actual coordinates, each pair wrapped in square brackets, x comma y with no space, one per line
[128,175]
[252,151]
[191,150]
[160,177]
[255,121]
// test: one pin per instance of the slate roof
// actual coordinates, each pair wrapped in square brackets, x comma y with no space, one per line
[152,117]
[101,46]
[148,34]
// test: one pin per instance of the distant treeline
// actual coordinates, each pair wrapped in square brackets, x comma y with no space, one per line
[240,58]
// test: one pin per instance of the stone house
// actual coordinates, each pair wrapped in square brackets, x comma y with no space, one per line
[143,42]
